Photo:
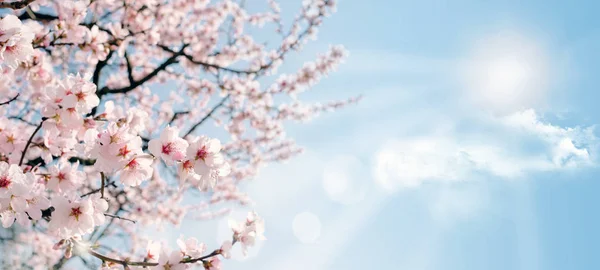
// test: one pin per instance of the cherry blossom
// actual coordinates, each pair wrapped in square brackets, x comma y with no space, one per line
[12,181]
[170,147]
[65,177]
[170,260]
[207,160]
[72,217]
[191,247]
[118,115]
[15,41]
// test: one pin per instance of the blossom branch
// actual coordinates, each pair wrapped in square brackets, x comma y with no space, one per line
[29,141]
[109,183]
[161,67]
[16,5]
[102,186]
[210,113]
[207,65]
[134,263]
[129,70]
[119,217]
[10,100]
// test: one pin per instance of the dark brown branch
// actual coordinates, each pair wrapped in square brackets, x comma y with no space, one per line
[130,263]
[207,65]
[176,115]
[119,217]
[212,111]
[10,100]
[129,70]
[22,120]
[98,70]
[16,4]
[38,16]
[96,77]
[102,186]
[109,183]
[151,75]
[29,141]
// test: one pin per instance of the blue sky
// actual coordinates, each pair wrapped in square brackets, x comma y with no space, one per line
[474,146]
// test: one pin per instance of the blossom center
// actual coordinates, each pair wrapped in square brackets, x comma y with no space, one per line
[201,154]
[114,138]
[80,96]
[4,182]
[76,212]
[167,148]
[188,165]
[132,164]
[61,176]
[123,151]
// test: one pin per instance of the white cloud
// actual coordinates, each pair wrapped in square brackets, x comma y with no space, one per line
[408,162]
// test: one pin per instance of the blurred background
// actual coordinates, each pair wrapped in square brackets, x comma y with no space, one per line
[474,146]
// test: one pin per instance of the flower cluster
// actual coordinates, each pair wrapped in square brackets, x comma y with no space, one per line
[104,109]
[15,42]
[246,233]
[69,100]
[76,217]
[20,196]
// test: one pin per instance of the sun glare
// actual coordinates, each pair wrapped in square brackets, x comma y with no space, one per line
[506,71]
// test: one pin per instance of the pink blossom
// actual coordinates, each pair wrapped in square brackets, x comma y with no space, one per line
[72,217]
[169,146]
[170,261]
[213,263]
[136,170]
[207,159]
[12,180]
[153,251]
[15,41]
[65,177]
[191,247]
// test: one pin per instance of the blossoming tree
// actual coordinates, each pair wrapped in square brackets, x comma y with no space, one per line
[103,108]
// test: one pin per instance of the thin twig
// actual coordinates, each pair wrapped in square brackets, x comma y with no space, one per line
[214,109]
[177,114]
[102,186]
[119,217]
[10,100]
[29,141]
[110,183]
[130,263]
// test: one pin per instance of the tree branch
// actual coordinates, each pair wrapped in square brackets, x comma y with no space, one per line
[29,141]
[22,120]
[109,183]
[191,59]
[177,114]
[129,70]
[135,84]
[16,4]
[119,217]
[214,109]
[130,263]
[102,186]
[10,100]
